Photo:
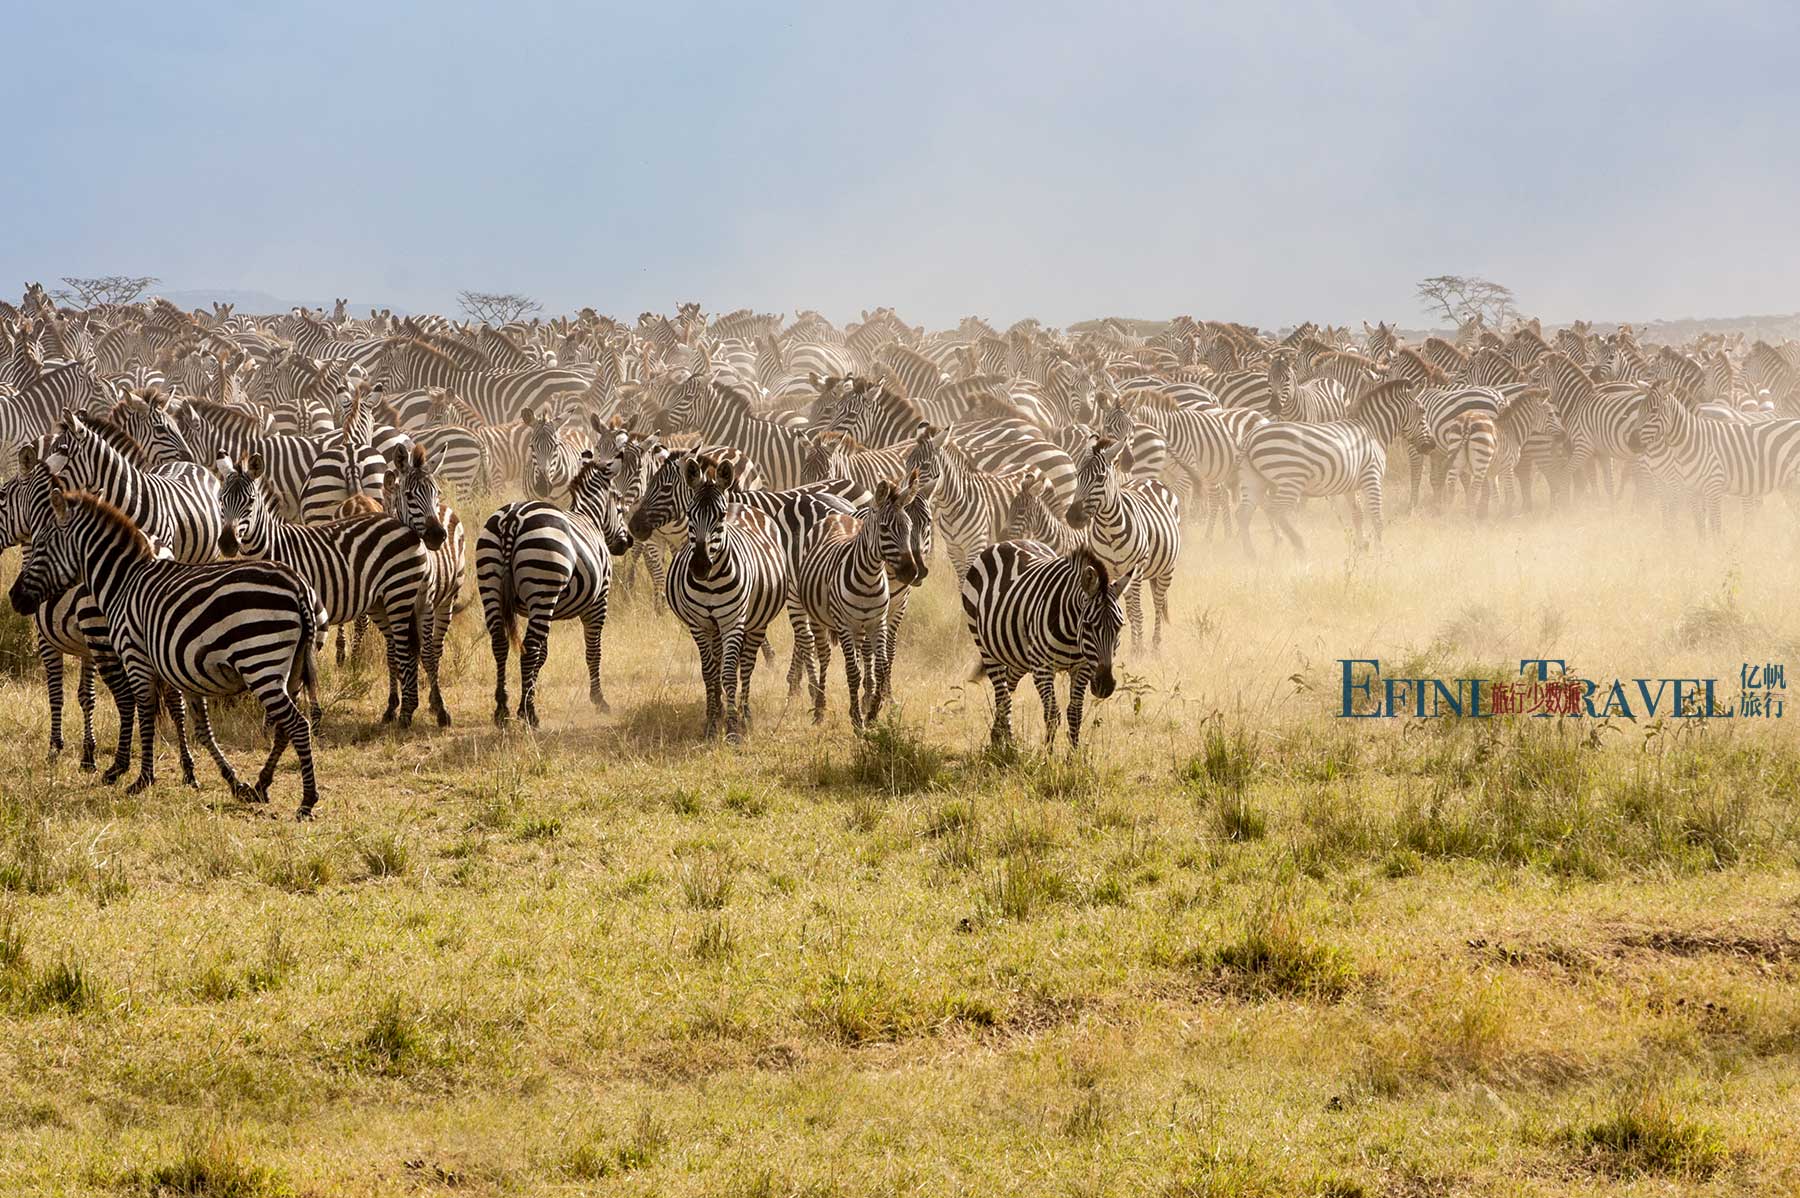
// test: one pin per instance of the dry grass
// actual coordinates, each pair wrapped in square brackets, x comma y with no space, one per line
[1237,946]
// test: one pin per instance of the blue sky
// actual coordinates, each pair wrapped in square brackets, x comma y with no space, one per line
[1266,163]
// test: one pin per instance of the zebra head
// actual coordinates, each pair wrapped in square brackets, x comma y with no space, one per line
[1650,431]
[925,457]
[592,494]
[666,495]
[410,495]
[1099,618]
[1027,519]
[709,482]
[53,561]
[893,513]
[1097,478]
[850,409]
[549,464]
[242,504]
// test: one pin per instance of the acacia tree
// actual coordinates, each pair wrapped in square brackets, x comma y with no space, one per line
[1462,299]
[493,307]
[104,289]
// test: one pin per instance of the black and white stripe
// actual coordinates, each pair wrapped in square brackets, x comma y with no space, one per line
[1134,527]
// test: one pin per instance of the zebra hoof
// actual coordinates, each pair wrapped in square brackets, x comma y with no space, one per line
[501,716]
[87,765]
[387,717]
[443,718]
[243,792]
[304,815]
[142,784]
[55,751]
[114,772]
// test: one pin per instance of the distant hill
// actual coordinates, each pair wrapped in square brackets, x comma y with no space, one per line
[261,303]
[1665,332]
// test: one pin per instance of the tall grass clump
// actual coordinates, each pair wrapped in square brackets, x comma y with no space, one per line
[895,758]
[1220,776]
[1274,955]
[1646,1132]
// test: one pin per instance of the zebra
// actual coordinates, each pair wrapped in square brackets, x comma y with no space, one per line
[726,584]
[843,590]
[1134,527]
[659,520]
[1030,518]
[550,563]
[351,463]
[214,432]
[70,625]
[411,496]
[1599,419]
[839,455]
[1457,425]
[553,453]
[971,505]
[1714,458]
[206,631]
[361,565]
[722,415]
[1285,461]
[39,406]
[144,416]
[178,507]
[1034,611]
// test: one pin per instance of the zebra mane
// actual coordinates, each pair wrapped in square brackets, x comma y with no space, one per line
[106,513]
[115,437]
[680,442]
[1081,556]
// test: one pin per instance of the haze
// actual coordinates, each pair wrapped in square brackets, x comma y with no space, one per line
[1058,161]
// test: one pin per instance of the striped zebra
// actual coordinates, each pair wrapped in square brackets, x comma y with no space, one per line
[551,564]
[412,497]
[1030,518]
[496,394]
[1599,419]
[349,464]
[144,416]
[844,588]
[1710,459]
[361,565]
[1034,611]
[726,584]
[554,453]
[722,415]
[69,625]
[1134,527]
[970,504]
[177,507]
[1456,426]
[1285,462]
[659,520]
[38,407]
[839,455]
[214,432]
[205,631]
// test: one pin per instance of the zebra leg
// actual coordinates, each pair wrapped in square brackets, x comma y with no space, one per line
[1078,685]
[385,623]
[434,654]
[590,640]
[896,615]
[1371,500]
[405,645]
[1159,594]
[1252,491]
[52,659]
[499,641]
[659,572]
[732,664]
[822,638]
[290,727]
[531,660]
[1280,507]
[1045,677]
[112,672]
[1004,682]
[84,694]
[177,705]
[802,655]
[241,791]
[1134,608]
[1415,467]
[707,641]
[876,669]
[341,654]
[144,690]
[854,640]
[747,667]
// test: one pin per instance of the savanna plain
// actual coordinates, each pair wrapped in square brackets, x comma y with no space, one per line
[1235,945]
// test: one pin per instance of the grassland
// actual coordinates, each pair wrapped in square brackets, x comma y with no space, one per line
[1236,947]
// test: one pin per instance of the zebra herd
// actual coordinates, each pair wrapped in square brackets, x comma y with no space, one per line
[203,494]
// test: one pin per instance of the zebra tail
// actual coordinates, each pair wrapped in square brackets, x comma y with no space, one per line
[305,676]
[506,601]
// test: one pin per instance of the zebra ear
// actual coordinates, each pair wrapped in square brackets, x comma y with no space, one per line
[884,491]
[727,473]
[59,506]
[1089,580]
[28,457]
[254,467]
[690,470]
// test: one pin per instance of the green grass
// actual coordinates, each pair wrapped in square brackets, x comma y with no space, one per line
[1232,946]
